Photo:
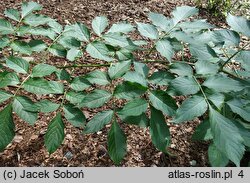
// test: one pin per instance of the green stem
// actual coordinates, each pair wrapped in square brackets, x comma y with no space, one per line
[15,31]
[165,62]
[108,64]
[67,89]
[225,53]
[19,87]
[232,75]
[83,65]
[202,91]
[232,56]
[63,98]
[54,41]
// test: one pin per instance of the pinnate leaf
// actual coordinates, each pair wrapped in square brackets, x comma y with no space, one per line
[55,134]
[74,115]
[165,48]
[163,102]
[99,121]
[42,70]
[99,24]
[239,24]
[147,30]
[12,14]
[7,127]
[17,64]
[191,108]
[216,157]
[159,130]
[185,85]
[29,7]
[222,129]
[96,99]
[116,143]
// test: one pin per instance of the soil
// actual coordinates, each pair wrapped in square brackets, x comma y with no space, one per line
[27,148]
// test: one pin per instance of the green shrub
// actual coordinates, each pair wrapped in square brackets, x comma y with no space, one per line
[214,80]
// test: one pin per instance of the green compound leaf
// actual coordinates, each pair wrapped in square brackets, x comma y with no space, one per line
[46,106]
[63,74]
[237,106]
[239,24]
[243,58]
[202,51]
[73,54]
[135,77]
[183,12]
[226,136]
[96,99]
[22,47]
[203,131]
[99,121]
[161,78]
[6,27]
[4,41]
[99,24]
[56,87]
[69,42]
[58,50]
[216,98]
[36,20]
[8,79]
[160,20]
[80,83]
[222,84]
[25,109]
[227,37]
[185,85]
[99,50]
[98,77]
[181,69]
[55,134]
[165,48]
[163,102]
[159,130]
[244,132]
[119,69]
[40,31]
[7,127]
[56,27]
[206,68]
[38,86]
[4,96]
[141,120]
[129,91]
[216,157]
[12,14]
[147,30]
[29,7]
[121,28]
[37,45]
[192,107]
[195,26]
[141,68]
[134,108]
[42,70]
[75,97]
[74,115]
[117,145]
[82,31]
[116,39]
[17,64]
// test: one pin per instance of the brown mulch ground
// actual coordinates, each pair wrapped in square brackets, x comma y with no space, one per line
[28,148]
